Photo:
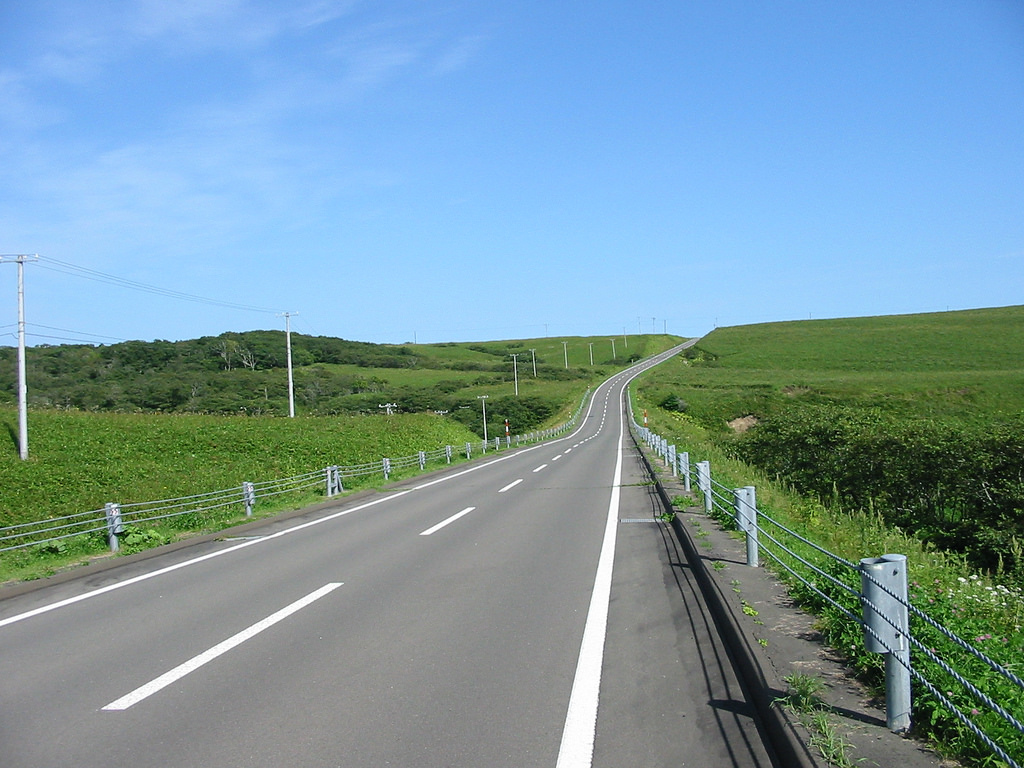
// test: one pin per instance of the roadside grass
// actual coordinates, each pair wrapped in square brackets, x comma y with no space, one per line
[79,461]
[977,607]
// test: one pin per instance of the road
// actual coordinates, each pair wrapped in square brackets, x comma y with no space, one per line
[524,610]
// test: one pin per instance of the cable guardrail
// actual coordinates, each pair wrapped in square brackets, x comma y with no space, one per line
[114,519]
[958,677]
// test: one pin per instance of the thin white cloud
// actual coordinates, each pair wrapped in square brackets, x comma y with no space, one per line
[457,56]
[19,109]
[189,18]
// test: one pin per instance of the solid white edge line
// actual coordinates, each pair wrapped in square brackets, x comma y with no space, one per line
[147,690]
[451,519]
[577,746]
[576,749]
[511,485]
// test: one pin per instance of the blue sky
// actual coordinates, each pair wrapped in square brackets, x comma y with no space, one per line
[455,170]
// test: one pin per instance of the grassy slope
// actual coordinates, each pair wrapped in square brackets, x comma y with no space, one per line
[951,365]
[79,461]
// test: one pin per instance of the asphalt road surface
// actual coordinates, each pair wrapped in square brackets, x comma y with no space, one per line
[527,609]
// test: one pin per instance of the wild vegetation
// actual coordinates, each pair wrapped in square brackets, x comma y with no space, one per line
[872,436]
[917,418]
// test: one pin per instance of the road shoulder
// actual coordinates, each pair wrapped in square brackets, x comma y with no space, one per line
[773,638]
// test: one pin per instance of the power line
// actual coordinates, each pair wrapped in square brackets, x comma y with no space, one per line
[70,330]
[60,338]
[63,267]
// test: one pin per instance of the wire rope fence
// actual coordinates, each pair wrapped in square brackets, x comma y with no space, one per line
[116,521]
[965,688]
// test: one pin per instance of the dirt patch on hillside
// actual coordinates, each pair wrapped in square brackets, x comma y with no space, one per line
[742,424]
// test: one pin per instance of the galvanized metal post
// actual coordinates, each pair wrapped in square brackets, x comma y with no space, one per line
[333,481]
[387,468]
[886,615]
[469,451]
[704,483]
[448,453]
[745,501]
[672,459]
[114,525]
[423,460]
[684,468]
[248,497]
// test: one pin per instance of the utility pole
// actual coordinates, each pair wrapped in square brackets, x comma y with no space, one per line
[534,353]
[483,405]
[591,352]
[565,349]
[20,259]
[515,369]
[613,349]
[288,344]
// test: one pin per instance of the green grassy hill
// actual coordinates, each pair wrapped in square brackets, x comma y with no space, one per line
[917,417]
[953,366]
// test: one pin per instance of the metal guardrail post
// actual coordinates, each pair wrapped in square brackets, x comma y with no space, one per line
[745,501]
[448,453]
[114,525]
[248,497]
[684,468]
[423,460]
[704,483]
[469,450]
[386,464]
[672,459]
[333,481]
[884,600]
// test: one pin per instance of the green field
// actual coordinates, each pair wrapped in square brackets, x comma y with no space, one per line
[962,366]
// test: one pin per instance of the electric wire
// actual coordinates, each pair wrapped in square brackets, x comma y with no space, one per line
[63,267]
[70,330]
